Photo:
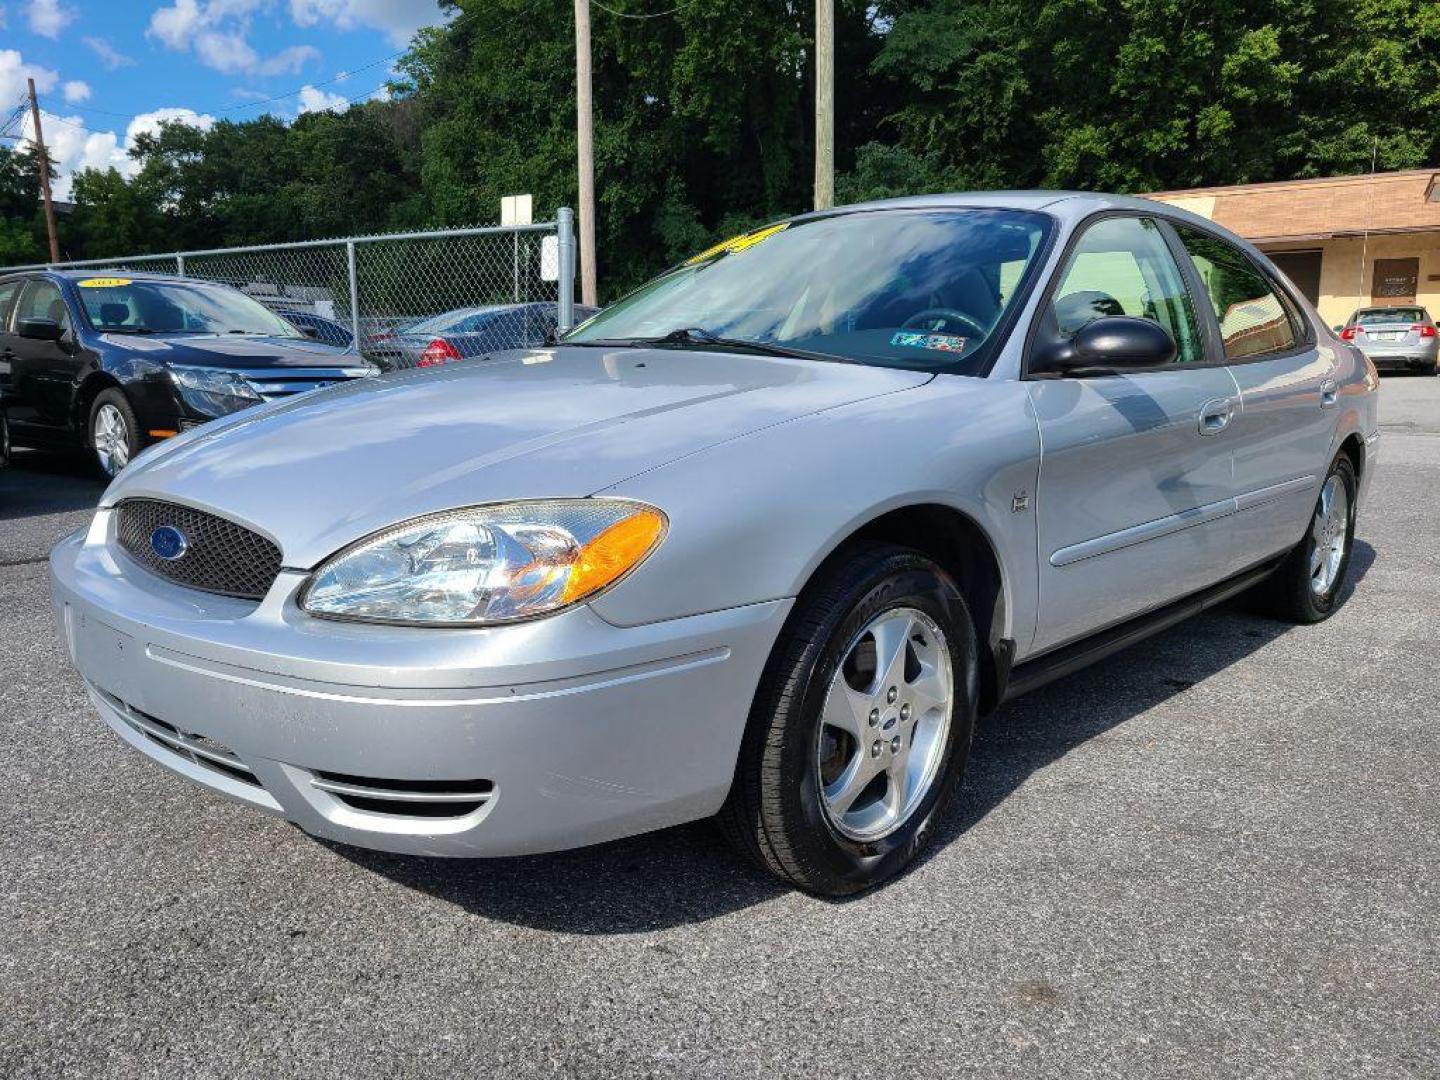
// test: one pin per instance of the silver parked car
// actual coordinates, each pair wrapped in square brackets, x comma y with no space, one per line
[759,540]
[1401,338]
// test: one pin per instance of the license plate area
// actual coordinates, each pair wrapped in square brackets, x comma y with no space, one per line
[107,657]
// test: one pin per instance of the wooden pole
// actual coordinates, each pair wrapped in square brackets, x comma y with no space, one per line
[824,104]
[44,174]
[585,141]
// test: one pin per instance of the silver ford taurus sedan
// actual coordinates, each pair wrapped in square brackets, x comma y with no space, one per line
[758,541]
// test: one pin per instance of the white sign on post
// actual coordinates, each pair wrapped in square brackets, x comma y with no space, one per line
[550,258]
[517,210]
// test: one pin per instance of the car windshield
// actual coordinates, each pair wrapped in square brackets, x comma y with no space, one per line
[1374,316]
[124,306]
[455,322]
[915,289]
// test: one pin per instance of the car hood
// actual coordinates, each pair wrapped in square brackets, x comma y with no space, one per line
[234,350]
[321,471]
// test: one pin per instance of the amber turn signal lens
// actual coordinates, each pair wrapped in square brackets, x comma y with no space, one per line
[613,553]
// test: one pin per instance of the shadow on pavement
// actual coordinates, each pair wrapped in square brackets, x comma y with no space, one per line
[688,874]
[38,482]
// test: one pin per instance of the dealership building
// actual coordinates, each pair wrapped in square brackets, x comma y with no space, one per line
[1345,241]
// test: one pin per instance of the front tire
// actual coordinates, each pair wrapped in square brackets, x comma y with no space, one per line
[1306,587]
[861,727]
[114,432]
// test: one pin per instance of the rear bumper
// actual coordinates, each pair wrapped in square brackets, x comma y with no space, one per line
[511,740]
[1399,358]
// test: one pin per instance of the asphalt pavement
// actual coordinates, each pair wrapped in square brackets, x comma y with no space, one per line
[1213,855]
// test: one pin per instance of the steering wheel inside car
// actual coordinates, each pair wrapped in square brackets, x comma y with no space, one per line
[943,319]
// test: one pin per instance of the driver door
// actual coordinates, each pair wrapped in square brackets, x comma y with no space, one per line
[43,371]
[1135,475]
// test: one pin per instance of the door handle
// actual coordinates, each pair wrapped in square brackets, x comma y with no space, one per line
[1329,394]
[1215,416]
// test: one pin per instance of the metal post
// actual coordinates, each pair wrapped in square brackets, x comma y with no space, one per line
[354,295]
[516,260]
[565,245]
[179,265]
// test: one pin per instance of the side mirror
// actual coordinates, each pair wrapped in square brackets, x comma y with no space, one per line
[1337,328]
[40,329]
[1109,344]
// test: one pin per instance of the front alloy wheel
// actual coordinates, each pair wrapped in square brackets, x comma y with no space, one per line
[861,725]
[114,433]
[882,732]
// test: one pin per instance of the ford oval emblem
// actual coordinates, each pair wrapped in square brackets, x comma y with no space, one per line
[168,542]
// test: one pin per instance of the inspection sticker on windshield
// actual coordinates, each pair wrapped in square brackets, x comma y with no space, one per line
[737,243]
[103,282]
[938,342]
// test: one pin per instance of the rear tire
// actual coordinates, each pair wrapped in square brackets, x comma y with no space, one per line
[4,439]
[1306,587]
[114,432]
[849,758]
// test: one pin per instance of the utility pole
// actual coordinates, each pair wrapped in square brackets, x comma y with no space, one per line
[44,174]
[824,104]
[585,140]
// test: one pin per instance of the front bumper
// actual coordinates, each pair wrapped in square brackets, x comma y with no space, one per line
[558,733]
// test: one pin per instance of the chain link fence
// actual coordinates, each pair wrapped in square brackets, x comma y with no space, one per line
[364,291]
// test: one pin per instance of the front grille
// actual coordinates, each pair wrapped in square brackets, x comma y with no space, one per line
[280,382]
[406,798]
[219,556]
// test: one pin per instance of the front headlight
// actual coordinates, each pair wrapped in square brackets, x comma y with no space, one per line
[487,564]
[213,391]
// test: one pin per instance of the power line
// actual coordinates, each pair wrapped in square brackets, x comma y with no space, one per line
[633,15]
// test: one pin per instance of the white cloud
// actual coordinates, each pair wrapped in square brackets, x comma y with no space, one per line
[47,17]
[76,91]
[14,71]
[225,52]
[110,56]
[397,18]
[315,100]
[218,33]
[288,61]
[74,148]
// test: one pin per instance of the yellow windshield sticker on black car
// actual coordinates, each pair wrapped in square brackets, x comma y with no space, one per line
[104,282]
[737,243]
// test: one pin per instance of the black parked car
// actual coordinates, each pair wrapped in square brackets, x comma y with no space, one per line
[116,361]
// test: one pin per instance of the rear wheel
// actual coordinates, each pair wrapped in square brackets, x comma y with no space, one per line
[1306,587]
[861,726]
[4,439]
[114,432]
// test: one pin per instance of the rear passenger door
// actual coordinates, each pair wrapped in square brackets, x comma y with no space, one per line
[1135,474]
[9,290]
[1283,433]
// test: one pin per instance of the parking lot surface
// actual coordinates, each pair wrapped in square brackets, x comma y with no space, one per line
[1213,855]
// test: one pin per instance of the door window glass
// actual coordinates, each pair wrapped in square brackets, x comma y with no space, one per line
[1253,319]
[42,300]
[1122,266]
[8,290]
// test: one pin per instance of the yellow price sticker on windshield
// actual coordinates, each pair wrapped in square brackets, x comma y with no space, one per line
[738,243]
[104,282]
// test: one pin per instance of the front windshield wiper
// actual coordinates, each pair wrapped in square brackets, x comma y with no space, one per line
[126,330]
[693,337]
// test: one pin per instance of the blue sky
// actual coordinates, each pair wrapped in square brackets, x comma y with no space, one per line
[107,69]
